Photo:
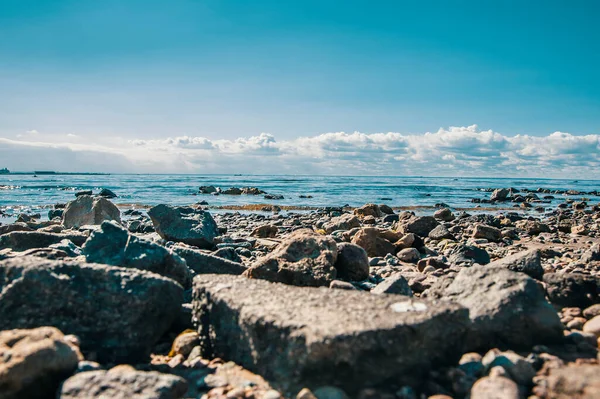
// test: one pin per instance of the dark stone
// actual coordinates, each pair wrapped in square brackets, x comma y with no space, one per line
[184,224]
[462,253]
[352,262]
[203,263]
[573,289]
[24,240]
[528,262]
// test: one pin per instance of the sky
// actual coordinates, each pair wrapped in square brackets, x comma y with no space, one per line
[461,88]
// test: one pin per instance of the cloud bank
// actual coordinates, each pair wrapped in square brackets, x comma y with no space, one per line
[456,151]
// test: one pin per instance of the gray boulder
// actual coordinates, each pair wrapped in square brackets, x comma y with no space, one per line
[441,233]
[123,382]
[86,210]
[203,263]
[184,224]
[500,194]
[113,245]
[421,226]
[300,337]
[508,309]
[490,233]
[34,362]
[394,284]
[528,262]
[118,313]
[24,240]
[346,221]
[304,258]
[572,289]
[469,254]
[352,262]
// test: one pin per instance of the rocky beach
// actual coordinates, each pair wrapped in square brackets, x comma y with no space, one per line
[106,301]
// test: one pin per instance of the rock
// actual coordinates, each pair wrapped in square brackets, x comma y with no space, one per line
[441,233]
[113,245]
[207,189]
[86,210]
[232,191]
[386,210]
[421,226]
[410,255]
[346,221]
[532,227]
[342,338]
[593,326]
[506,308]
[265,231]
[184,343]
[117,313]
[409,240]
[24,240]
[9,228]
[572,382]
[516,366]
[274,196]
[123,382]
[228,253]
[573,289]
[342,285]
[329,392]
[303,258]
[592,254]
[68,247]
[368,210]
[495,388]
[444,215]
[34,362]
[184,224]
[436,263]
[592,311]
[395,284]
[83,192]
[470,254]
[106,193]
[488,232]
[528,262]
[391,218]
[55,213]
[500,194]
[252,191]
[370,240]
[352,262]
[203,263]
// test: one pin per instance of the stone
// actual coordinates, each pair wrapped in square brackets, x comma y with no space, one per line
[508,309]
[421,226]
[123,382]
[232,191]
[265,231]
[386,209]
[495,388]
[441,233]
[592,254]
[436,263]
[55,213]
[346,221]
[299,337]
[228,253]
[410,255]
[470,254]
[184,343]
[490,233]
[572,382]
[203,263]
[113,245]
[118,313]
[34,362]
[106,193]
[207,189]
[444,214]
[573,289]
[304,258]
[593,326]
[329,392]
[67,246]
[532,227]
[24,240]
[592,311]
[394,284]
[86,210]
[19,226]
[370,240]
[408,240]
[368,210]
[528,262]
[184,224]
[342,285]
[516,366]
[352,262]
[500,194]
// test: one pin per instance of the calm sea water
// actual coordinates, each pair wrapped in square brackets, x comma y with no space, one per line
[26,192]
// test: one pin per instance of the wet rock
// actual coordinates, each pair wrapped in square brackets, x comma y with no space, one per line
[24,240]
[573,289]
[490,233]
[508,309]
[117,313]
[203,263]
[395,284]
[325,337]
[469,254]
[123,382]
[419,225]
[86,210]
[34,362]
[207,189]
[304,258]
[232,191]
[352,262]
[528,262]
[106,193]
[369,238]
[184,224]
[274,196]
[113,245]
[500,194]
[346,221]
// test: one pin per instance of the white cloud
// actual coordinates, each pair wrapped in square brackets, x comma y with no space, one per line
[464,151]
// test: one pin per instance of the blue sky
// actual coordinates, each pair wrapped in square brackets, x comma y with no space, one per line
[225,70]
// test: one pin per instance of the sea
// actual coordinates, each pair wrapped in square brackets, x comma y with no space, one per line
[30,193]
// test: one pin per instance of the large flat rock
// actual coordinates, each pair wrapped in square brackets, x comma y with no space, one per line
[308,337]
